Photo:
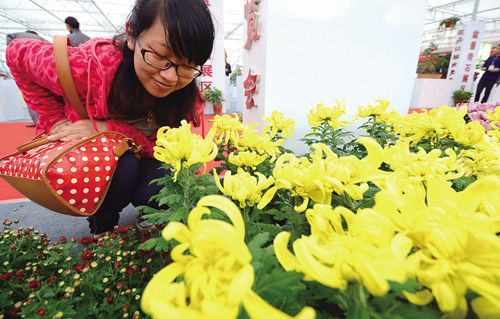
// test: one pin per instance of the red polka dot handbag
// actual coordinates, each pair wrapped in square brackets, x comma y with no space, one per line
[69,177]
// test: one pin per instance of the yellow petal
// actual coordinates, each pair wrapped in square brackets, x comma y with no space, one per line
[421,298]
[257,308]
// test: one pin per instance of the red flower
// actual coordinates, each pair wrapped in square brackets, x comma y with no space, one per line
[39,255]
[101,243]
[145,253]
[7,222]
[40,312]
[124,237]
[130,271]
[87,254]
[125,308]
[12,246]
[6,276]
[88,240]
[110,299]
[14,310]
[63,239]
[120,285]
[113,236]
[144,269]
[19,272]
[37,271]
[79,268]
[123,229]
[51,278]
[35,284]
[117,264]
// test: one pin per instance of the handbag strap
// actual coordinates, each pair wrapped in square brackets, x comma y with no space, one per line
[64,72]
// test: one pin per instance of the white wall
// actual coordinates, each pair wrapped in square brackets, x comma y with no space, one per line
[12,106]
[314,51]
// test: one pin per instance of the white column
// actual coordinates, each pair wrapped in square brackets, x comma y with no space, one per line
[312,51]
[214,69]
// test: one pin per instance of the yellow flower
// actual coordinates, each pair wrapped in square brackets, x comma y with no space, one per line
[453,235]
[279,123]
[370,110]
[418,166]
[494,118]
[227,128]
[369,251]
[243,187]
[483,159]
[246,158]
[331,115]
[178,146]
[485,309]
[214,263]
[317,180]
[261,143]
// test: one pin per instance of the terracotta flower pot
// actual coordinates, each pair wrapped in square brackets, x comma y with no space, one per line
[217,109]
[450,24]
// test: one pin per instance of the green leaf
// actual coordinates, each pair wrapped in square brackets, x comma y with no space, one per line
[170,199]
[278,214]
[410,285]
[255,245]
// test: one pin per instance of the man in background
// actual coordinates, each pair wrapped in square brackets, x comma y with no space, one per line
[491,75]
[75,35]
[23,35]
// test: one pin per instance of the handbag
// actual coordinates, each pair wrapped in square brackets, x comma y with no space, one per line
[68,177]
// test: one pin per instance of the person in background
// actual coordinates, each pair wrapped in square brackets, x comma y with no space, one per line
[134,84]
[491,75]
[75,35]
[28,34]
[228,66]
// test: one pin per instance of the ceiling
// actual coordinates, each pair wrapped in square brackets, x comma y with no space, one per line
[98,18]
[104,18]
[488,11]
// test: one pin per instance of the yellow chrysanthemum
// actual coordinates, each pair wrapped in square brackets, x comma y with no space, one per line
[214,264]
[418,166]
[317,180]
[246,158]
[279,123]
[178,146]
[483,159]
[228,128]
[453,235]
[243,187]
[369,110]
[369,251]
[494,117]
[261,143]
[328,114]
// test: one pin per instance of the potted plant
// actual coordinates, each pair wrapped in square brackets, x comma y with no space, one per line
[448,23]
[216,97]
[460,96]
[432,63]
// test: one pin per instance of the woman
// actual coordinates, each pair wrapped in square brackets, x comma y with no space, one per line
[134,84]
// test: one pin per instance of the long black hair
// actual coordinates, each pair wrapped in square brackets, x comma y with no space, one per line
[190,34]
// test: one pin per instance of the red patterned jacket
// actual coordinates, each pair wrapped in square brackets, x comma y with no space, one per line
[93,66]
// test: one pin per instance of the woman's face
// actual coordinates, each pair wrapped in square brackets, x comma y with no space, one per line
[159,83]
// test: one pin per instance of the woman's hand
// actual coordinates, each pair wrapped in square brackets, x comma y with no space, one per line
[70,131]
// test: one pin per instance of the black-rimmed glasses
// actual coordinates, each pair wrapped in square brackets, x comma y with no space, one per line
[162,63]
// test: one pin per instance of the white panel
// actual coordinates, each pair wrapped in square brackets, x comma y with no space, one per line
[356,51]
[216,61]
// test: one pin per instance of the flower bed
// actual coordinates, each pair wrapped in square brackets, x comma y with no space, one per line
[399,223]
